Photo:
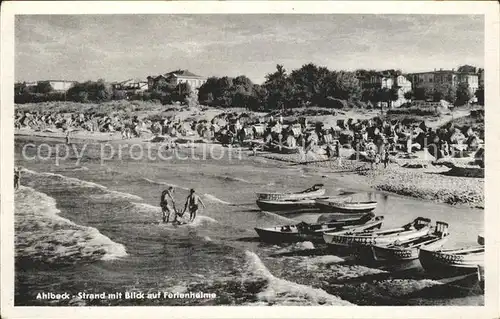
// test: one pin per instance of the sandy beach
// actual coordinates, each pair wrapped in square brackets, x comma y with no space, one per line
[429,182]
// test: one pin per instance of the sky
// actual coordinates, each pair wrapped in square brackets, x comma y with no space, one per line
[120,47]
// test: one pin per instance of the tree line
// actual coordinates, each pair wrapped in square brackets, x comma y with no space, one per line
[307,86]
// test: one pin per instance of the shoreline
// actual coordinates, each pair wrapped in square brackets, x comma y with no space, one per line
[429,183]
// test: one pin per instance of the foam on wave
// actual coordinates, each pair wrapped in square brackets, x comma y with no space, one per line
[43,236]
[283,292]
[215,199]
[72,181]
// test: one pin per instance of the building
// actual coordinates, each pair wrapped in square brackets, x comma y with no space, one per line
[388,79]
[131,85]
[431,79]
[481,77]
[175,78]
[403,85]
[60,85]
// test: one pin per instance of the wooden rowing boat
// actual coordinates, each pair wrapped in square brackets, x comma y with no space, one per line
[314,232]
[299,205]
[452,262]
[338,205]
[417,228]
[315,191]
[409,249]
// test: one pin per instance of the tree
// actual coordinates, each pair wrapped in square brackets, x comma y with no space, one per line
[277,86]
[480,95]
[90,91]
[20,88]
[467,69]
[344,85]
[207,92]
[409,95]
[369,95]
[423,93]
[444,91]
[43,87]
[464,94]
[386,95]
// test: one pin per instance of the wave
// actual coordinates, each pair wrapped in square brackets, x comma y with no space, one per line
[201,220]
[164,183]
[314,263]
[234,179]
[304,245]
[283,292]
[144,208]
[275,218]
[116,194]
[68,180]
[82,183]
[43,236]
[215,199]
[80,168]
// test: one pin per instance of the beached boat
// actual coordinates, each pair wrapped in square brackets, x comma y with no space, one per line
[345,206]
[409,249]
[315,191]
[417,228]
[314,232]
[452,262]
[296,205]
[480,273]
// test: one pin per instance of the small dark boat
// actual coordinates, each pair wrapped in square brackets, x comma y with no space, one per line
[409,249]
[315,191]
[452,262]
[344,206]
[480,239]
[417,228]
[314,232]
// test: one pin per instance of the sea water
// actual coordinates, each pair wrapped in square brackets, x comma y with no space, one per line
[96,228]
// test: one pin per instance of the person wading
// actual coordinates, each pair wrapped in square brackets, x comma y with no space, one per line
[386,157]
[17,178]
[192,202]
[167,197]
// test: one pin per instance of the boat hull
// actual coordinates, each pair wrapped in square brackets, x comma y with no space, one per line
[345,207]
[362,243]
[381,253]
[306,205]
[449,263]
[272,235]
[290,196]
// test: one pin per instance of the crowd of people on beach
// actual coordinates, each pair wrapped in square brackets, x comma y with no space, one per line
[375,138]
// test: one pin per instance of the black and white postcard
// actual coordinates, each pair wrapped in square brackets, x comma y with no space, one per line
[250,159]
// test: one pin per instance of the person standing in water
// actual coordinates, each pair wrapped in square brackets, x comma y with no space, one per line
[17,178]
[193,201]
[167,197]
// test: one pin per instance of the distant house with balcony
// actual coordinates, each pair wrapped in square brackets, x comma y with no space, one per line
[175,78]
[432,79]
[388,79]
